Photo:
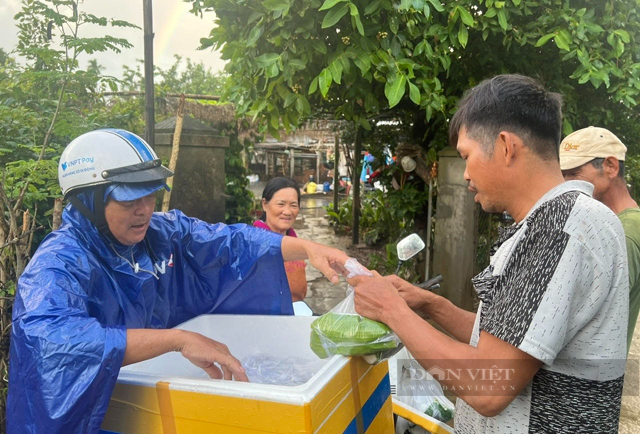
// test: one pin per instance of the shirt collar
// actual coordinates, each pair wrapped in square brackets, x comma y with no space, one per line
[579,186]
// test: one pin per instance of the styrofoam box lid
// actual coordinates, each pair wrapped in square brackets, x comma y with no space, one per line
[246,336]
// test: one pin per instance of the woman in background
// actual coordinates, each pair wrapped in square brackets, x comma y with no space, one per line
[281,205]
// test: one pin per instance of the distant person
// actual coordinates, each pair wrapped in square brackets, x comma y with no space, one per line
[280,207]
[596,155]
[546,350]
[106,289]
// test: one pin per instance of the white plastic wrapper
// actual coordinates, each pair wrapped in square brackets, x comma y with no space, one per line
[289,371]
[418,389]
[342,331]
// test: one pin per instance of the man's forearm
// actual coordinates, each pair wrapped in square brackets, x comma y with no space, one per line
[455,321]
[144,344]
[468,365]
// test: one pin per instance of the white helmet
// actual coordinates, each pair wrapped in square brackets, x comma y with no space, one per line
[105,156]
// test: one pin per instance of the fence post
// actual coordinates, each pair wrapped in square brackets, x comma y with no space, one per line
[456,231]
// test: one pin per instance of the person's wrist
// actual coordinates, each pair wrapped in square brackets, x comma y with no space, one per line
[425,302]
[433,304]
[179,339]
[393,314]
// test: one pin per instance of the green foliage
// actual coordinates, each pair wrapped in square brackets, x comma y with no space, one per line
[360,59]
[632,175]
[385,218]
[44,103]
[240,205]
[192,78]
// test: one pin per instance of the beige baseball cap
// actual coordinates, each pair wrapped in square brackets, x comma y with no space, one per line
[584,145]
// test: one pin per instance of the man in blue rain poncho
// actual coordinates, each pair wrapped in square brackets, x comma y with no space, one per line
[102,291]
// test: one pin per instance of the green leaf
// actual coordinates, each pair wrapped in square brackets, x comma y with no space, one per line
[437,5]
[463,35]
[426,11]
[502,19]
[372,7]
[328,4]
[394,24]
[324,81]
[363,61]
[619,49]
[356,17]
[623,35]
[566,127]
[336,71]
[405,5]
[290,99]
[274,119]
[267,59]
[414,93]
[299,106]
[562,40]
[491,12]
[517,2]
[319,46]
[272,70]
[254,35]
[585,77]
[594,28]
[365,124]
[543,40]
[334,15]
[394,91]
[370,102]
[466,16]
[313,86]
[281,6]
[297,64]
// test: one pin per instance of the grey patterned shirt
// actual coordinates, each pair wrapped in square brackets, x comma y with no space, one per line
[557,289]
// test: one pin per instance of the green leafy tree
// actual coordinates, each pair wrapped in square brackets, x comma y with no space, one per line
[45,101]
[361,59]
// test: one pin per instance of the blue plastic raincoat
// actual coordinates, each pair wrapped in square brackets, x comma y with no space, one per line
[78,296]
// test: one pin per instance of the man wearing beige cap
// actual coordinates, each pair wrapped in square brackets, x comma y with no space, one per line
[597,156]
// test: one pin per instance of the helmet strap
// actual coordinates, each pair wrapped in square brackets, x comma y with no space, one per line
[96,217]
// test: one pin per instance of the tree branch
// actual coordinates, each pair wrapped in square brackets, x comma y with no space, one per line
[47,137]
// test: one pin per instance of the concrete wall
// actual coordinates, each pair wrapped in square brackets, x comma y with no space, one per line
[198,185]
[455,232]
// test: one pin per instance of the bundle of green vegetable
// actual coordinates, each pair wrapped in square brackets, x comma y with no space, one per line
[349,335]
[439,411]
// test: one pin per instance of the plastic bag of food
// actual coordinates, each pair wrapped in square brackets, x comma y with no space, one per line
[418,389]
[342,331]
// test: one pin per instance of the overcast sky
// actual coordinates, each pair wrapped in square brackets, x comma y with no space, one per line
[176,32]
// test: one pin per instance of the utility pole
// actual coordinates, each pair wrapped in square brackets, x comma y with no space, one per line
[336,172]
[149,94]
[355,184]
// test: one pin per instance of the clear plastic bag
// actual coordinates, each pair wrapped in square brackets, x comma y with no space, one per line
[342,331]
[418,389]
[289,371]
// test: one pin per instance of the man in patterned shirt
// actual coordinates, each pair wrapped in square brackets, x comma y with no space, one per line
[545,352]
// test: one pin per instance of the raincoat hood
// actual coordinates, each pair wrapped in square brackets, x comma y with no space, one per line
[82,290]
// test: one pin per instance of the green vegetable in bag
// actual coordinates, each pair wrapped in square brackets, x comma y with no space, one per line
[439,411]
[348,335]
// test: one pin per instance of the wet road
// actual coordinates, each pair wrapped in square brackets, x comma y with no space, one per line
[312,225]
